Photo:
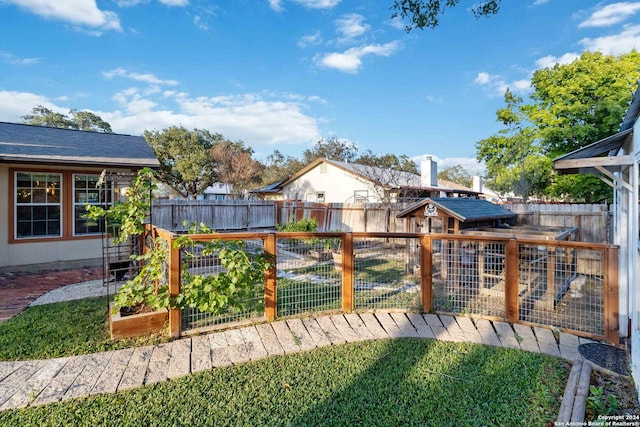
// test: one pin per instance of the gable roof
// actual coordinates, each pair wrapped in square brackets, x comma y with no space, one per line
[462,208]
[386,178]
[22,143]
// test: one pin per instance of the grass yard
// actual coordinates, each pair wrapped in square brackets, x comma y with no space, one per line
[373,383]
[62,329]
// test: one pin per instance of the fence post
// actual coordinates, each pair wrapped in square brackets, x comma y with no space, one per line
[511,281]
[611,308]
[347,272]
[426,275]
[175,314]
[270,284]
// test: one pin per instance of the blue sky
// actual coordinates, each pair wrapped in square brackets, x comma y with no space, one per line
[280,74]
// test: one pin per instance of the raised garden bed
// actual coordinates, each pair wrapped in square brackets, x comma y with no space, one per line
[137,324]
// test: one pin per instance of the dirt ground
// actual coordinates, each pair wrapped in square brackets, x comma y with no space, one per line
[621,387]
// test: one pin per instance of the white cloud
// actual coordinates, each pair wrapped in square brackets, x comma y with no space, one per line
[200,23]
[497,85]
[539,2]
[611,14]
[260,120]
[350,61]
[14,60]
[311,39]
[174,2]
[146,78]
[311,4]
[78,12]
[624,42]
[550,60]
[351,26]
[469,164]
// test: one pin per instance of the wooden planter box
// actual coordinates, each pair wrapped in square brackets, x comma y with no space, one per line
[137,325]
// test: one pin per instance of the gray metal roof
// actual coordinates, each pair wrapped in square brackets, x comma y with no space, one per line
[462,208]
[40,144]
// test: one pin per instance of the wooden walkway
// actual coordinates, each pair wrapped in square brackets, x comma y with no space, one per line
[37,382]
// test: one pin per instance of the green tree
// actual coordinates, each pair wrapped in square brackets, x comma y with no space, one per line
[571,106]
[388,161]
[82,120]
[335,149]
[279,167]
[186,163]
[426,13]
[456,174]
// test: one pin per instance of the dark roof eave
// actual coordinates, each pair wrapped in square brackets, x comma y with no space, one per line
[129,163]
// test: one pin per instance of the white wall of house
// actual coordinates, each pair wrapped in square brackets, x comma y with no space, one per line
[45,250]
[633,257]
[335,184]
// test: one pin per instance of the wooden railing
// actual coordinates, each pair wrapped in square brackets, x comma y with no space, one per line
[568,285]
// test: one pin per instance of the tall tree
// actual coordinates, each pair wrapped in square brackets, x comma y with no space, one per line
[571,106]
[279,167]
[82,120]
[426,13]
[233,164]
[335,149]
[456,174]
[400,163]
[185,158]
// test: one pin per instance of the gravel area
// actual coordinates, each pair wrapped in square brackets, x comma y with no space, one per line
[91,288]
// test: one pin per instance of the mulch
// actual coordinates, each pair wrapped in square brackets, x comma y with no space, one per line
[18,290]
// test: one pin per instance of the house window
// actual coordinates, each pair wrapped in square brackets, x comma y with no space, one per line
[320,197]
[38,205]
[87,192]
[361,196]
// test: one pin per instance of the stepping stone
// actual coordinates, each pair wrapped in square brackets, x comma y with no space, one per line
[110,377]
[269,339]
[372,324]
[506,335]
[330,330]
[432,320]
[389,325]
[86,380]
[158,364]
[527,340]
[236,350]
[456,333]
[469,330]
[133,376]
[569,347]
[24,394]
[219,350]
[285,337]
[7,368]
[315,331]
[546,341]
[418,322]
[345,328]
[489,336]
[180,362]
[200,353]
[50,368]
[301,335]
[253,343]
[359,327]
[406,328]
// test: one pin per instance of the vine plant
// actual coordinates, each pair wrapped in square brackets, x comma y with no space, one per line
[231,288]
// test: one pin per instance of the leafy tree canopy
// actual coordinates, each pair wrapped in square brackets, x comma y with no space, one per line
[426,13]
[82,120]
[456,174]
[335,149]
[233,164]
[571,106]
[185,158]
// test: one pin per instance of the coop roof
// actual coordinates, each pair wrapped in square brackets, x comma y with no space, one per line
[462,208]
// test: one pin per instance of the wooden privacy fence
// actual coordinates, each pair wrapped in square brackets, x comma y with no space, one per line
[567,285]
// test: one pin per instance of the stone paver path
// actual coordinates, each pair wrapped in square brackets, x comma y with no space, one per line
[35,382]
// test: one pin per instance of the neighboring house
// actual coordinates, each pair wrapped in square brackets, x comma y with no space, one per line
[217,191]
[47,175]
[615,160]
[328,181]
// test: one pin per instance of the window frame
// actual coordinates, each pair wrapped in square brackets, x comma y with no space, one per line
[75,203]
[46,204]
[67,205]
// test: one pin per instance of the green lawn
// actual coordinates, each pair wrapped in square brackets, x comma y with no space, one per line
[62,329]
[373,383]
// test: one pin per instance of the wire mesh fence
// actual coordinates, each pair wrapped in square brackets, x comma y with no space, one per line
[562,287]
[387,273]
[197,261]
[309,275]
[468,277]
